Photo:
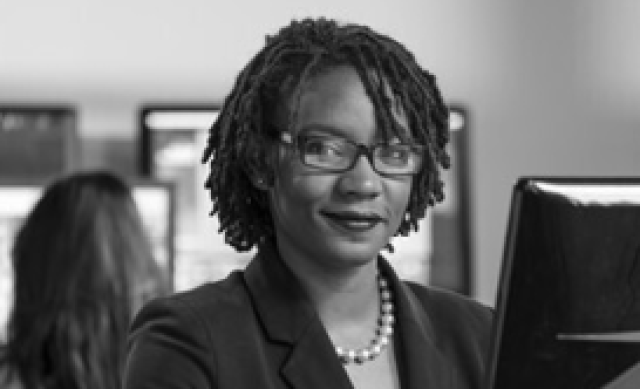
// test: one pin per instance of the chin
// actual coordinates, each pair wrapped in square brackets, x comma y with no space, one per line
[356,253]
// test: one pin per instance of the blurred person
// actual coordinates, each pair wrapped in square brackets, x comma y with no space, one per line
[83,266]
[330,143]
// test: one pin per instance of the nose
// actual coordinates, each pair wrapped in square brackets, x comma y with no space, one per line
[361,180]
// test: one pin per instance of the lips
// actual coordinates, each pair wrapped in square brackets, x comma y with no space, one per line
[354,221]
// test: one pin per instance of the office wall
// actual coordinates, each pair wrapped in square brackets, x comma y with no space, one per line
[551,87]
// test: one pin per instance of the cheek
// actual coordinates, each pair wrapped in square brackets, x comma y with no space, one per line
[306,190]
[294,188]
[399,193]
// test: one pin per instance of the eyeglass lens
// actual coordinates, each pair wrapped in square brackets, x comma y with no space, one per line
[340,154]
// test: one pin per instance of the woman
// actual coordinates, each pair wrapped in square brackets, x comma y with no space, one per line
[330,143]
[82,268]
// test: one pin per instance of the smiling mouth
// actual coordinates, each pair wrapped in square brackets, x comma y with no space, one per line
[354,221]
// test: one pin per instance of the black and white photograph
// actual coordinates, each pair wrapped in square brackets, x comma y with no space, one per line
[311,194]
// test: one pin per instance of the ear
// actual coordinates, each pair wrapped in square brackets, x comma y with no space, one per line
[258,166]
[259,172]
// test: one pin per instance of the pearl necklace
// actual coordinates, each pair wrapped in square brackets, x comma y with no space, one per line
[383,332]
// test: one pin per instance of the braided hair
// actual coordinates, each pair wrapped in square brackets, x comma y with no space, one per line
[238,142]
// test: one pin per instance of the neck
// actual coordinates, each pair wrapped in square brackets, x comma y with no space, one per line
[350,300]
[350,310]
[343,292]
[347,299]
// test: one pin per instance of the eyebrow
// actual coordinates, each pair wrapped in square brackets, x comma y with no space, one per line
[324,129]
[327,129]
[393,141]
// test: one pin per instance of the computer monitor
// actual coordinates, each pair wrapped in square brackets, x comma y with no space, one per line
[172,140]
[155,201]
[37,141]
[568,303]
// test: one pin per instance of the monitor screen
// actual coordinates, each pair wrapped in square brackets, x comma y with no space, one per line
[155,203]
[37,140]
[172,142]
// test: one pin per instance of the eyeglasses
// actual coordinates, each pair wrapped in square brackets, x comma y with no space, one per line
[332,154]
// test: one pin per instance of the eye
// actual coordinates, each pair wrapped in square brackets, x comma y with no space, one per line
[323,147]
[395,155]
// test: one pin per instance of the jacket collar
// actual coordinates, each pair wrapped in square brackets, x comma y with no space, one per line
[289,318]
[420,363]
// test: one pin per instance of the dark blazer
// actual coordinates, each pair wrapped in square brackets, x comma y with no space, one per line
[257,330]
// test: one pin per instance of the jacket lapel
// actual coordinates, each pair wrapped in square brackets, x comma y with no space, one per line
[420,364]
[312,364]
[290,320]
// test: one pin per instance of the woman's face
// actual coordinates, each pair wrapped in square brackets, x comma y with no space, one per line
[328,219]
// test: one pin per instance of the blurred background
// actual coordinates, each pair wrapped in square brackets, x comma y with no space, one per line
[536,88]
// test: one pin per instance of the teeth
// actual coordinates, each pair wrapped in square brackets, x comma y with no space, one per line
[357,223]
[358,218]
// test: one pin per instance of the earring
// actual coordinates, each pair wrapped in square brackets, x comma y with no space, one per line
[260,183]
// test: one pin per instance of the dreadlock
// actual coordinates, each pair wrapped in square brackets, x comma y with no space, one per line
[238,140]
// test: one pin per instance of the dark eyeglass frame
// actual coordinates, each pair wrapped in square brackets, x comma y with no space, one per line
[299,143]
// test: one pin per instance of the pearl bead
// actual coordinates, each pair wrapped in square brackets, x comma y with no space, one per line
[387,320]
[383,332]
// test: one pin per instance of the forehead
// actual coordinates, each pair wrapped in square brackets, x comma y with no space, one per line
[336,96]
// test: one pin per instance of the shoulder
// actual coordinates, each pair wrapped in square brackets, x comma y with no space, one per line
[180,334]
[229,292]
[460,326]
[452,305]
[198,308]
[454,316]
